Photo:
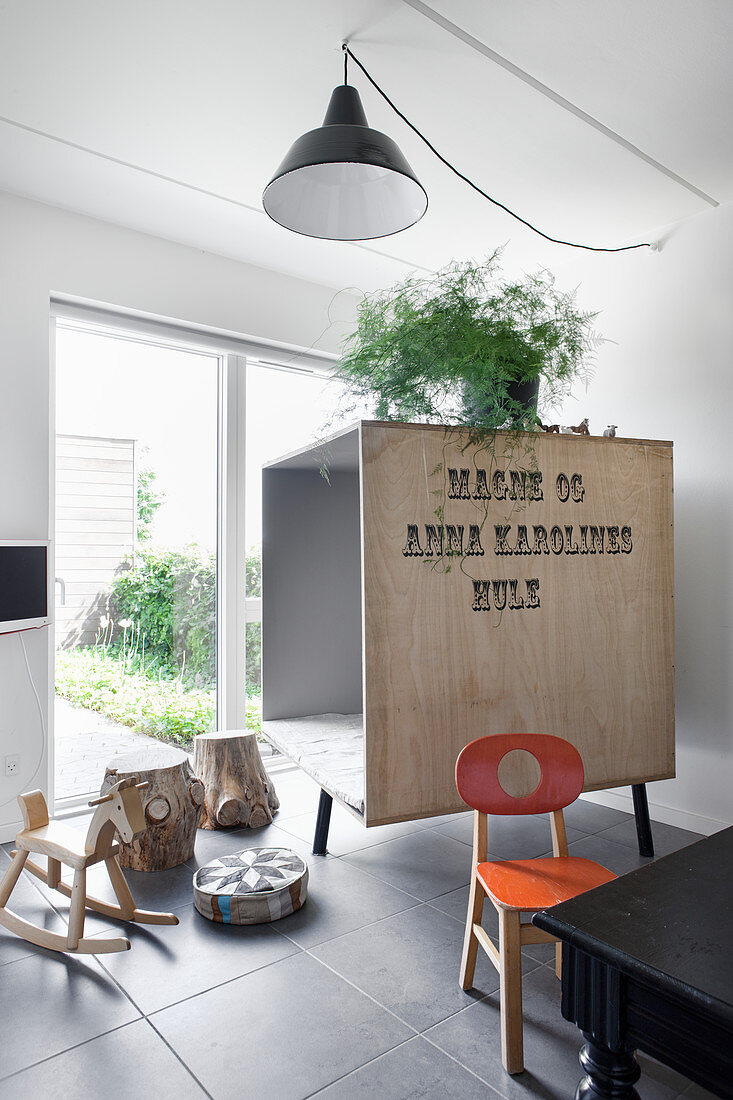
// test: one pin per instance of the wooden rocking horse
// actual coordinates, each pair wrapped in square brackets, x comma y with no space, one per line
[119,811]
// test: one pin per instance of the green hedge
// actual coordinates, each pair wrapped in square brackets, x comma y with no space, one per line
[170,597]
[154,667]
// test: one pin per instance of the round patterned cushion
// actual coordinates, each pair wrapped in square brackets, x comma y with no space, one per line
[251,887]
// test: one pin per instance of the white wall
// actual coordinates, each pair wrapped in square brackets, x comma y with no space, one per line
[44,250]
[668,374]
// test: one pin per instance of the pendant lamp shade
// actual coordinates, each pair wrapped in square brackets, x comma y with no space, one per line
[345,181]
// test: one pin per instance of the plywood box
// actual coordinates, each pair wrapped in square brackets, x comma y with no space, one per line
[446,591]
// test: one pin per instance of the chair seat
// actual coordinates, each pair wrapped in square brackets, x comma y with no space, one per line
[539,883]
[59,841]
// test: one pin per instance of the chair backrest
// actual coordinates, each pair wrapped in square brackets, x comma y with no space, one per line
[561,773]
[34,809]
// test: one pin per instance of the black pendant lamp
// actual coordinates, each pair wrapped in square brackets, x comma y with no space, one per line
[345,181]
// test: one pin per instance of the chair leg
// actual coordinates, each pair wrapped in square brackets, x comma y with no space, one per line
[77,909]
[53,877]
[120,887]
[470,943]
[11,876]
[128,910]
[558,959]
[510,950]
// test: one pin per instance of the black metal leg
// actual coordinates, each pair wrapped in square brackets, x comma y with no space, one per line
[643,824]
[322,823]
[609,1074]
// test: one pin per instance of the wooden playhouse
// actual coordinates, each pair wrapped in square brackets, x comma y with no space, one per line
[433,590]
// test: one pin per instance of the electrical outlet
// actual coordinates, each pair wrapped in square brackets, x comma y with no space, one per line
[12,764]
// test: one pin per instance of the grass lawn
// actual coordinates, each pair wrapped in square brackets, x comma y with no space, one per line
[161,706]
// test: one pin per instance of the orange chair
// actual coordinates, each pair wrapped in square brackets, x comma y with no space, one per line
[525,885]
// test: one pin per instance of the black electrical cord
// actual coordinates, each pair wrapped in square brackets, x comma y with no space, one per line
[554,240]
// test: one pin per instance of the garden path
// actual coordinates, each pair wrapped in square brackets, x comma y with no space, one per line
[85,744]
[87,741]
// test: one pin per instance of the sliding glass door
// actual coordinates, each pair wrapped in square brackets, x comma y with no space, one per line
[136,547]
[158,528]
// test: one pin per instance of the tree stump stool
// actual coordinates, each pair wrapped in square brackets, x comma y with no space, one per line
[251,887]
[172,803]
[238,789]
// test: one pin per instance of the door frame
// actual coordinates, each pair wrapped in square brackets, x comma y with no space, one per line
[231,544]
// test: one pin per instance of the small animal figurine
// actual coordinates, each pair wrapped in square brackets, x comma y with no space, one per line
[118,811]
[549,427]
[610,431]
[580,429]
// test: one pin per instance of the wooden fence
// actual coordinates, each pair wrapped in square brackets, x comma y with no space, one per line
[96,513]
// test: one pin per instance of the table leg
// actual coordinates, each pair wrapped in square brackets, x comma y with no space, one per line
[609,1074]
[323,821]
[643,824]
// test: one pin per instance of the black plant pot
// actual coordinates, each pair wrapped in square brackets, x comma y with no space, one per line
[524,393]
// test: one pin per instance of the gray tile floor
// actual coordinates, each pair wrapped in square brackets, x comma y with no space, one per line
[354,996]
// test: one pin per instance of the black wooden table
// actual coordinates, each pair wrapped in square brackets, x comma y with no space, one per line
[648,965]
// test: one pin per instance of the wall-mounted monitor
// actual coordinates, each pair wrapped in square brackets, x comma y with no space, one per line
[25,585]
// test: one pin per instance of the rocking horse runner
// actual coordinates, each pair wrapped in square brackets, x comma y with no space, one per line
[119,811]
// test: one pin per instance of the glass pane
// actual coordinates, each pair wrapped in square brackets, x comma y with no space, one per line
[285,411]
[136,531]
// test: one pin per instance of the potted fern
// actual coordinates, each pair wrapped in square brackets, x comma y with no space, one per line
[464,347]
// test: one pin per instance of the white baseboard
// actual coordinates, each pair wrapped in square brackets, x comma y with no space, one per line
[10,831]
[668,815]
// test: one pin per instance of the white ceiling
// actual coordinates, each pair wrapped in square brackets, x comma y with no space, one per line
[171,116]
